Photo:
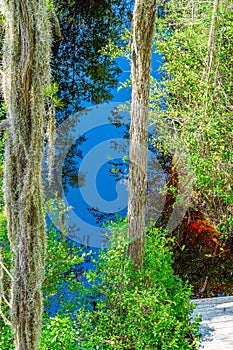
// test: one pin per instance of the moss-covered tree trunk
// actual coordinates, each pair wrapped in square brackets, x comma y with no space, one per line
[26,72]
[141,47]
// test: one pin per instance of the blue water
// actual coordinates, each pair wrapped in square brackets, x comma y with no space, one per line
[94,166]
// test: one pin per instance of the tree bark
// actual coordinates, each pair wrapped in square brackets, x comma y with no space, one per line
[26,73]
[211,41]
[141,48]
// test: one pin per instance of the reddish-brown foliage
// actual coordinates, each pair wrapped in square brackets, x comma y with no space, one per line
[195,232]
[199,254]
[201,236]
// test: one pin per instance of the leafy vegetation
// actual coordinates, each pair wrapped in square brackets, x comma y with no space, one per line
[196,42]
[60,287]
[112,306]
[147,309]
[118,308]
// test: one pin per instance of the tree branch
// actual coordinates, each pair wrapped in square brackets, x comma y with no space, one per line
[6,270]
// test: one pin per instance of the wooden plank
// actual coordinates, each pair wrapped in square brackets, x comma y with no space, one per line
[217,322]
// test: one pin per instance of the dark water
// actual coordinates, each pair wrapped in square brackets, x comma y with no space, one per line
[92,145]
[91,150]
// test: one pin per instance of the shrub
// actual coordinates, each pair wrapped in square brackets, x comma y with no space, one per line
[120,308]
[147,309]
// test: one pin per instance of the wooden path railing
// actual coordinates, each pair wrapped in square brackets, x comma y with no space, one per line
[217,322]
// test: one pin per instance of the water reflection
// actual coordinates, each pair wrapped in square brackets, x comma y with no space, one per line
[91,171]
[84,74]
[92,146]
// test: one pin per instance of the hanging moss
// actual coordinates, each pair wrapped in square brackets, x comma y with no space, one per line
[26,73]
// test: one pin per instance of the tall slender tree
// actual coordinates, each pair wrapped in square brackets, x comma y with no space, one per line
[141,48]
[26,73]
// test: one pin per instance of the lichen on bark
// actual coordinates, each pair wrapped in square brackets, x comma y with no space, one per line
[26,73]
[141,49]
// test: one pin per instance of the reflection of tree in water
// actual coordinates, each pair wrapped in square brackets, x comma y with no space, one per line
[86,75]
[158,166]
[119,171]
[71,176]
[70,171]
[83,73]
[100,217]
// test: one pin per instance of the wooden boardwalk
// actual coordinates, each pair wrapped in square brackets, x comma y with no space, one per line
[217,322]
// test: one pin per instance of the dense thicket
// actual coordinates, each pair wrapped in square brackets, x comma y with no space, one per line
[196,41]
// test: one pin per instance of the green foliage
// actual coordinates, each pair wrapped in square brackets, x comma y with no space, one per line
[61,258]
[197,89]
[1,174]
[61,286]
[51,92]
[147,309]
[6,337]
[50,5]
[6,333]
[114,50]
[59,331]
[2,110]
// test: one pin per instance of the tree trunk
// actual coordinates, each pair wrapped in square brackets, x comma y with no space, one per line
[211,42]
[141,47]
[26,73]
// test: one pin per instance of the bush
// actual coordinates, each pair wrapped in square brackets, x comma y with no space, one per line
[58,333]
[120,308]
[148,309]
